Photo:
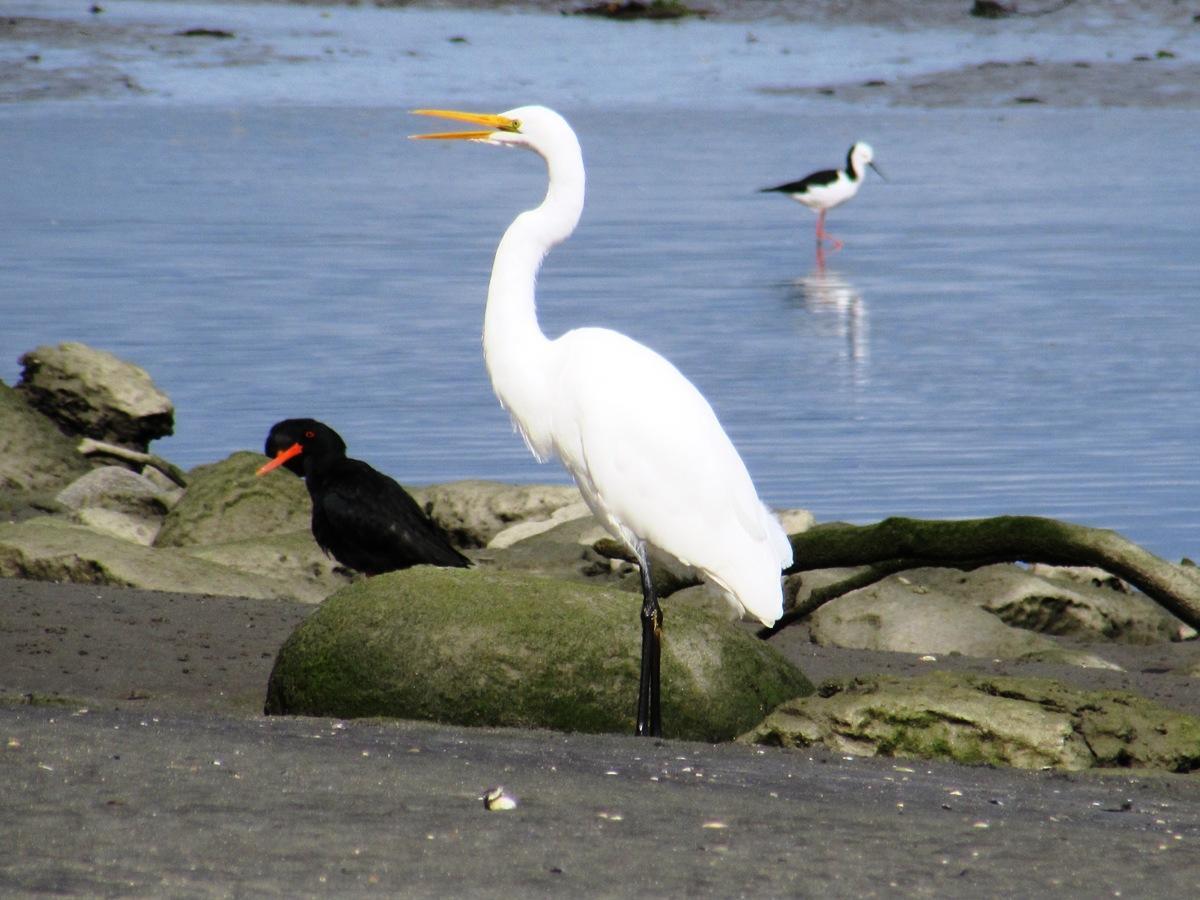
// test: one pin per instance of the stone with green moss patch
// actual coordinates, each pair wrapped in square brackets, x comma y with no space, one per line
[1022,722]
[472,647]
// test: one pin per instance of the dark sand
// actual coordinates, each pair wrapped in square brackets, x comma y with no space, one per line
[143,768]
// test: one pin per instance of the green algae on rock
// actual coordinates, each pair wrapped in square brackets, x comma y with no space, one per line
[224,502]
[994,720]
[472,647]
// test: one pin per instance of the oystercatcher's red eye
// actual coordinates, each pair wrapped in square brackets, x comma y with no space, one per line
[310,434]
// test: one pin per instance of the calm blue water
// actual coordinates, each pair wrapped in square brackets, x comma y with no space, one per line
[1012,327]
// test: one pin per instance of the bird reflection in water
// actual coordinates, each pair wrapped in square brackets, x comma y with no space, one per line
[826,294]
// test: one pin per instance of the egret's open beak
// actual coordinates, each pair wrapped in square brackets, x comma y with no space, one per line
[494,123]
[280,458]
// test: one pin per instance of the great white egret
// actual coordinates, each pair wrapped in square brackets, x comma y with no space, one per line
[360,517]
[828,188]
[642,443]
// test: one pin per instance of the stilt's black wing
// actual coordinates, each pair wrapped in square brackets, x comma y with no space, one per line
[816,179]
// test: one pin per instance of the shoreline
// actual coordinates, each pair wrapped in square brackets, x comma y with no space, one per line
[90,53]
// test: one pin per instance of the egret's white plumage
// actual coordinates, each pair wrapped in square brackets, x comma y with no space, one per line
[644,446]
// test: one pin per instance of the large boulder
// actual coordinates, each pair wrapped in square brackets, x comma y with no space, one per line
[474,512]
[225,501]
[471,647]
[35,457]
[1023,722]
[92,393]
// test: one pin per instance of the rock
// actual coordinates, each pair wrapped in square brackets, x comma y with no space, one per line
[119,502]
[581,550]
[706,597]
[903,615]
[1086,604]
[53,549]
[92,393]
[564,551]
[1023,722]
[474,512]
[481,648]
[991,612]
[35,457]
[115,487]
[533,527]
[290,558]
[226,502]
[796,521]
[120,525]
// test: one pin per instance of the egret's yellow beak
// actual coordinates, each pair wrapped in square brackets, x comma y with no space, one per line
[494,123]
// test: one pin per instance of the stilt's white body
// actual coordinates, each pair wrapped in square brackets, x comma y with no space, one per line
[826,196]
[644,446]
[830,188]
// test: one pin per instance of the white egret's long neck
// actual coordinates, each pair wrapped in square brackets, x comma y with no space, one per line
[514,346]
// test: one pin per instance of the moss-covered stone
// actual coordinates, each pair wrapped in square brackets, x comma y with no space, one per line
[472,647]
[1022,722]
[225,502]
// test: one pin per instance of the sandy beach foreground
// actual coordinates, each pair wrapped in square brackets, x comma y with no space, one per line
[136,762]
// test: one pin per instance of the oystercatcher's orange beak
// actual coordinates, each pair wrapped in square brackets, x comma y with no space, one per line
[280,458]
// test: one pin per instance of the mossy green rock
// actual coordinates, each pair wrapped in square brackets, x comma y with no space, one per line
[225,502]
[473,647]
[997,720]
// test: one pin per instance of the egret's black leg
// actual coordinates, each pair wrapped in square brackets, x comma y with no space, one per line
[649,714]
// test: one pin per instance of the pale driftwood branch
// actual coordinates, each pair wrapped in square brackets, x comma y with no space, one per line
[896,544]
[92,447]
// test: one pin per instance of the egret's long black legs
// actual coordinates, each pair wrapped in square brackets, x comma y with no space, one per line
[649,712]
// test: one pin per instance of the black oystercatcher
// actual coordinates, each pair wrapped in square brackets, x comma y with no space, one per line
[361,517]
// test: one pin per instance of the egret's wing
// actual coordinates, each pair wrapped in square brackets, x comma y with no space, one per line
[647,446]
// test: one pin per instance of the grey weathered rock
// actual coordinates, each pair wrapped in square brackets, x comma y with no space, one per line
[474,647]
[530,528]
[1083,603]
[796,521]
[53,549]
[474,512]
[905,614]
[35,457]
[226,502]
[116,501]
[118,488]
[92,393]
[291,558]
[1024,722]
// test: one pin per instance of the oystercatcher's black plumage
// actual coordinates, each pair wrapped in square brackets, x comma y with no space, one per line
[361,517]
